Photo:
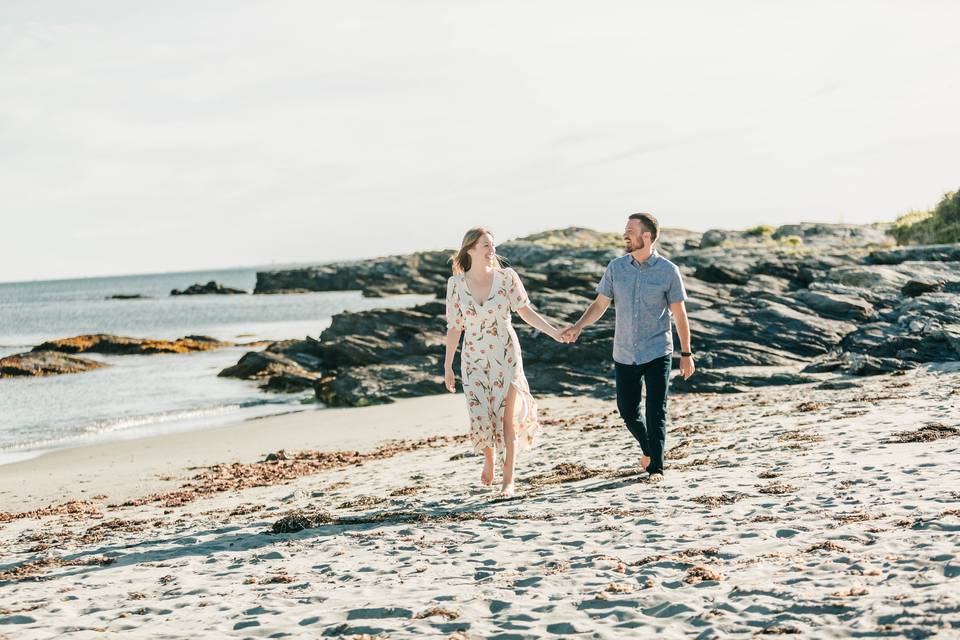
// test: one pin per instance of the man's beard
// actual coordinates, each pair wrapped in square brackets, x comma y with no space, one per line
[635,245]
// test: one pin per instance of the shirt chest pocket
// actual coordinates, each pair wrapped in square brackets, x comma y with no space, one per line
[652,294]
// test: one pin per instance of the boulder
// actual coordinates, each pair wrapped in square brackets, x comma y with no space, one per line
[918,287]
[211,287]
[44,363]
[873,278]
[713,238]
[834,305]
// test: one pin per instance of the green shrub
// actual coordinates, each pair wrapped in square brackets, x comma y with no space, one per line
[793,241]
[940,226]
[760,230]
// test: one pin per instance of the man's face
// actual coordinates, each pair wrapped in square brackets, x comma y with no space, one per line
[635,237]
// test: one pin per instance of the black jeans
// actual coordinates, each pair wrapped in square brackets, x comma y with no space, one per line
[652,433]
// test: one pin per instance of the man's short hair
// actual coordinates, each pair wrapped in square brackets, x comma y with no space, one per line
[649,223]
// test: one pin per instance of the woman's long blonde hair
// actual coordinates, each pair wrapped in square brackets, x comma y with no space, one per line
[461,260]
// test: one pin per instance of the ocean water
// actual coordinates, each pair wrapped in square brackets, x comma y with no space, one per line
[144,395]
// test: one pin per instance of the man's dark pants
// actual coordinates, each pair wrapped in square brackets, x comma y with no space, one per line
[652,432]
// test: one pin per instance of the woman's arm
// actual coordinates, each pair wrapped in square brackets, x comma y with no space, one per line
[535,320]
[593,313]
[453,341]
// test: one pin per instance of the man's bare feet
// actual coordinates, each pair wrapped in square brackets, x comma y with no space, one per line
[644,462]
[655,477]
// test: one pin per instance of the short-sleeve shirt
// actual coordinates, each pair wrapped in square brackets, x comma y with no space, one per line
[642,293]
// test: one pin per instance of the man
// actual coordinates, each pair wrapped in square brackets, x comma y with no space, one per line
[647,291]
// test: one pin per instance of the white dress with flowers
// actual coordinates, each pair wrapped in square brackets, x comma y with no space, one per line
[490,360]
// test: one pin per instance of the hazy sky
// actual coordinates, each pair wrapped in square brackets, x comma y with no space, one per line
[144,136]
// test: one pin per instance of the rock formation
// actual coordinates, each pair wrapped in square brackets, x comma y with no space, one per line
[782,307]
[211,287]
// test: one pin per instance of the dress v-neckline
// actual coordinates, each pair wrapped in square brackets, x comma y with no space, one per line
[489,294]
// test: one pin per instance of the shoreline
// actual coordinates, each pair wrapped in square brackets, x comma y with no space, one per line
[125,469]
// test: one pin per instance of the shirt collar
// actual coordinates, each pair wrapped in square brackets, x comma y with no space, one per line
[649,262]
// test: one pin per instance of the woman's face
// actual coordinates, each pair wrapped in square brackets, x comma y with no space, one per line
[484,251]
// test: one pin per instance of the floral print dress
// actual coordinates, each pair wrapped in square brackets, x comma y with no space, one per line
[490,360]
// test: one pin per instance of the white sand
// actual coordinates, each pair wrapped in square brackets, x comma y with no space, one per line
[602,557]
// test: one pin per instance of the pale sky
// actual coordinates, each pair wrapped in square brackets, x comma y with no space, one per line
[144,136]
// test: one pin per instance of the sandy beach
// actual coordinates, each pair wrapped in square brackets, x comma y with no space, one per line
[788,510]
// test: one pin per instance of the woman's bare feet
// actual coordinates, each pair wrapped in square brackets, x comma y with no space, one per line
[508,490]
[486,476]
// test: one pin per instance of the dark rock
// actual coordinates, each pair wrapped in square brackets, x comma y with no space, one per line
[287,366]
[838,385]
[915,288]
[734,381]
[834,305]
[925,253]
[713,238]
[865,365]
[721,274]
[415,273]
[288,383]
[44,363]
[362,386]
[121,345]
[127,296]
[203,289]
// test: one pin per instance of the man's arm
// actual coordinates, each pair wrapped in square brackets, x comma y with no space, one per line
[679,310]
[593,313]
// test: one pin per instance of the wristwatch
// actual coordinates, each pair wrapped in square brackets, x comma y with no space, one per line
[684,354]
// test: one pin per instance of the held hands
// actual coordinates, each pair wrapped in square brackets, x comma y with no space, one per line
[686,366]
[565,335]
[570,334]
[448,380]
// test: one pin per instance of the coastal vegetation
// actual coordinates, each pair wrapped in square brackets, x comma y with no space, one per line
[940,225]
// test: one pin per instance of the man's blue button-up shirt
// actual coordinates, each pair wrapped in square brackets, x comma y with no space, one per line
[642,293]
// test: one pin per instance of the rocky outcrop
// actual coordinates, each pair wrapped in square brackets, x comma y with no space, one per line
[414,273]
[121,345]
[127,296]
[763,311]
[285,366]
[44,363]
[211,287]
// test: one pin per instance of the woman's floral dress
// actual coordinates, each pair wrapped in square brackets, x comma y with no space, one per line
[490,360]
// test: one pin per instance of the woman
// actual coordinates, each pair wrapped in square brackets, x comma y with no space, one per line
[481,295]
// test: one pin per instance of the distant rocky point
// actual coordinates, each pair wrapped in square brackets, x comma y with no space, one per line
[122,345]
[44,363]
[127,296]
[768,306]
[211,287]
[56,357]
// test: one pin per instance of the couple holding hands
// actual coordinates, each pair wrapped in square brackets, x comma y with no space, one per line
[481,296]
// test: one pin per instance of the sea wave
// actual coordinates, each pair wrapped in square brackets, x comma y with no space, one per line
[144,424]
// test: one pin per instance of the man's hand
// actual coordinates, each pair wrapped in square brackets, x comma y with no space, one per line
[686,366]
[570,334]
[448,380]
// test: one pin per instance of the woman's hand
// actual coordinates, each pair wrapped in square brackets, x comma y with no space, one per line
[449,381]
[556,334]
